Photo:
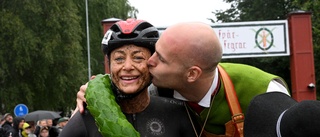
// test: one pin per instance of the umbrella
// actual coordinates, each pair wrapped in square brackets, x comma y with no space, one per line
[41,114]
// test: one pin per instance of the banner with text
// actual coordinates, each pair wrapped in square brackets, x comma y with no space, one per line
[252,39]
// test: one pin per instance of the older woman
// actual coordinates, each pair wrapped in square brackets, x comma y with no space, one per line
[128,45]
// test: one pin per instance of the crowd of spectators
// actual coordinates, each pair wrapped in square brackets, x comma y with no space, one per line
[11,126]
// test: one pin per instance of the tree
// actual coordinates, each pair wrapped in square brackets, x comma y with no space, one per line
[229,15]
[259,10]
[40,54]
[255,10]
[43,50]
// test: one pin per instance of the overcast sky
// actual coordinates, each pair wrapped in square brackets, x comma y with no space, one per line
[162,13]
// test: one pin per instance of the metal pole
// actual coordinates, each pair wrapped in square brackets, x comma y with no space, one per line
[88,41]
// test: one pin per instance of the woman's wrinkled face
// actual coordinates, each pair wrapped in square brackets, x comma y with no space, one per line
[129,70]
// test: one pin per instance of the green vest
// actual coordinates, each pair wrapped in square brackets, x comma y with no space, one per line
[248,82]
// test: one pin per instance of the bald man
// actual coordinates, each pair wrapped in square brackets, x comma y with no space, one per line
[186,60]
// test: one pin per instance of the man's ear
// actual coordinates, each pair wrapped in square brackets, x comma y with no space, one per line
[194,73]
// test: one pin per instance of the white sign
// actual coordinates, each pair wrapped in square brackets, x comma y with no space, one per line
[253,39]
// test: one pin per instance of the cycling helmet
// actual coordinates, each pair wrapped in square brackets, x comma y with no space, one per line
[131,31]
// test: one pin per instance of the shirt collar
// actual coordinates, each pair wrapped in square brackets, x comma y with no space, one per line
[205,101]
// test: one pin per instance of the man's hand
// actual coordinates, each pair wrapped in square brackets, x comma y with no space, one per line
[80,97]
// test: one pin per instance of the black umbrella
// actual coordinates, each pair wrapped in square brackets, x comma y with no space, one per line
[41,114]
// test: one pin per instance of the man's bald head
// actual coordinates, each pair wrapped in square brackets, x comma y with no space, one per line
[194,43]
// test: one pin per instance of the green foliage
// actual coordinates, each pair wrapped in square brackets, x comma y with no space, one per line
[15,58]
[259,10]
[229,15]
[255,10]
[43,50]
[109,118]
[252,10]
